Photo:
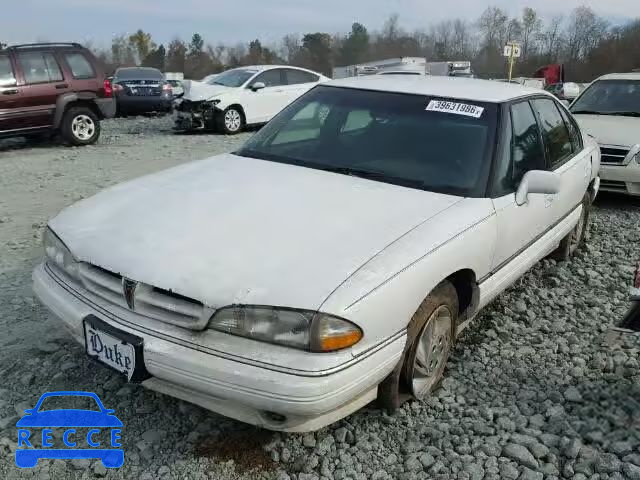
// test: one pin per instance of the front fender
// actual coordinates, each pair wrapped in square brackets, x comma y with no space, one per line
[382,295]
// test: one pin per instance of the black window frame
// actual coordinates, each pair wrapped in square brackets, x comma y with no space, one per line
[42,53]
[64,55]
[286,76]
[505,121]
[567,158]
[569,120]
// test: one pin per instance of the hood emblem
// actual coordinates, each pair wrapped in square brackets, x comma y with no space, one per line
[129,290]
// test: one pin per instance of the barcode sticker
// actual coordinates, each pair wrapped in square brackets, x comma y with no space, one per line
[455,108]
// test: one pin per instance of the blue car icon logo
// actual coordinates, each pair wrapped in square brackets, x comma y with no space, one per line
[83,436]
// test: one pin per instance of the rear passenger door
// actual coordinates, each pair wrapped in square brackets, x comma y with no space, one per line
[565,156]
[42,81]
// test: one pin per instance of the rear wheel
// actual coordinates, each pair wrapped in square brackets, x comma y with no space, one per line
[80,126]
[231,121]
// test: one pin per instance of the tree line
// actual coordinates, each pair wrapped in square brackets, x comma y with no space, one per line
[586,43]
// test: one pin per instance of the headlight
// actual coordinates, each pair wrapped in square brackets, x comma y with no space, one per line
[59,255]
[302,329]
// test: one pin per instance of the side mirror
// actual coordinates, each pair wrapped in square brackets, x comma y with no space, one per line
[257,86]
[537,181]
[565,102]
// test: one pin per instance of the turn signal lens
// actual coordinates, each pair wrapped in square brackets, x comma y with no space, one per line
[332,333]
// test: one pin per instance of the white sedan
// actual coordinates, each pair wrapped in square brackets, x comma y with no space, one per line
[232,100]
[334,258]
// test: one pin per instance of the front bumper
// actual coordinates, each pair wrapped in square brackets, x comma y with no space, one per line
[621,178]
[257,395]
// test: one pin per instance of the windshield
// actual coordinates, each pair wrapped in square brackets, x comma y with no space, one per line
[232,78]
[412,140]
[64,402]
[610,97]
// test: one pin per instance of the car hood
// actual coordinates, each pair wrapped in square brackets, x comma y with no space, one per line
[197,91]
[232,229]
[610,129]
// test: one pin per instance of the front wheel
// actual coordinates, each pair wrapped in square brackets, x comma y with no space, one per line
[431,333]
[80,126]
[570,244]
[231,121]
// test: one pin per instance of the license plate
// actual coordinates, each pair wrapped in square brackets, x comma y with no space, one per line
[115,348]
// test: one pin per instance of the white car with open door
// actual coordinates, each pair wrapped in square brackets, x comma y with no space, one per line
[609,109]
[331,260]
[242,96]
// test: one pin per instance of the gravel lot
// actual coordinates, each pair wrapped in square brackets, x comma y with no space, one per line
[534,389]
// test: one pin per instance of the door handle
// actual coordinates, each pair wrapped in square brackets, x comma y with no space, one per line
[12,91]
[61,86]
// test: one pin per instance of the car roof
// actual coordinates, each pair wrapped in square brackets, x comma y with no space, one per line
[440,86]
[621,76]
[261,68]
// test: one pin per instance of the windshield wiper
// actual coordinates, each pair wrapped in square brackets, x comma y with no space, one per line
[587,112]
[373,175]
[625,114]
[621,114]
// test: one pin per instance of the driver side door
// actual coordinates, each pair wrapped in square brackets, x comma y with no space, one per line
[263,104]
[520,227]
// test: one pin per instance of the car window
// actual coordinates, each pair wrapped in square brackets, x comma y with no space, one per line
[428,143]
[63,402]
[295,77]
[79,65]
[232,78]
[138,74]
[39,67]
[7,77]
[554,132]
[574,132]
[526,150]
[270,78]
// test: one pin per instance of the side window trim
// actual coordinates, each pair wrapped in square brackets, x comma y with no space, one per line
[65,56]
[566,158]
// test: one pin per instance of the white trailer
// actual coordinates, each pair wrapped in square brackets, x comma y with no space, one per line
[411,64]
[450,69]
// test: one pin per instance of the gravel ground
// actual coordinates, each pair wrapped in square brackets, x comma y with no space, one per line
[535,388]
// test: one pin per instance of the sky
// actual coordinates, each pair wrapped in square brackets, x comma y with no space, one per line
[230,22]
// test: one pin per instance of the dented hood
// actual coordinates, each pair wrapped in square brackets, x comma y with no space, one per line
[197,91]
[231,229]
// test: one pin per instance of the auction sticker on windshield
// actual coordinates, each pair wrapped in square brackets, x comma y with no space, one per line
[455,108]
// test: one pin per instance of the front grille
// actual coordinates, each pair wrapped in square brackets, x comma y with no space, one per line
[613,185]
[613,155]
[148,300]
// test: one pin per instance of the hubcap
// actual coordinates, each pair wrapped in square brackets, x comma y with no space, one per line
[432,350]
[83,127]
[577,232]
[232,120]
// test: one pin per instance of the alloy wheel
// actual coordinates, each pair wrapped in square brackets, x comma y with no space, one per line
[83,127]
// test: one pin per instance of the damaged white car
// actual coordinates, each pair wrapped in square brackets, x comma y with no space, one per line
[234,99]
[334,258]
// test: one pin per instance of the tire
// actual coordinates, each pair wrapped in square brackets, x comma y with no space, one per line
[576,237]
[430,336]
[231,121]
[80,126]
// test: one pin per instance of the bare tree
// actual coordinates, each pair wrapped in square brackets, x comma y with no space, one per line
[584,31]
[531,29]
[290,47]
[552,38]
[493,27]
